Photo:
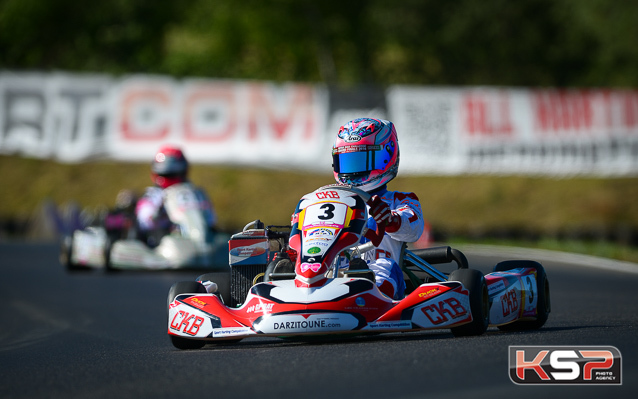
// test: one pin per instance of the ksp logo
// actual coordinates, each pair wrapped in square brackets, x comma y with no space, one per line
[572,365]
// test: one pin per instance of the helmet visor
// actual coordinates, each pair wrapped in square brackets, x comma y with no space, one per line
[366,159]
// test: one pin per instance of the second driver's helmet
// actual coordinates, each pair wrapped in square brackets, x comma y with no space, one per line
[366,153]
[169,167]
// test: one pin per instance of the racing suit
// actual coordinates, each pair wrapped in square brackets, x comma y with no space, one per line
[151,215]
[384,259]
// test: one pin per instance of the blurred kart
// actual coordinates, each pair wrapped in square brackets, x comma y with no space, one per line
[302,291]
[188,243]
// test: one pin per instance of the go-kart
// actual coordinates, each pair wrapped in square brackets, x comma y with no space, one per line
[188,244]
[300,291]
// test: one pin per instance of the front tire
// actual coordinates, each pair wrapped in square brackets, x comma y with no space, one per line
[543,305]
[185,287]
[108,266]
[474,281]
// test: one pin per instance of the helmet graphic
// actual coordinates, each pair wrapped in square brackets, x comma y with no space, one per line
[169,167]
[366,153]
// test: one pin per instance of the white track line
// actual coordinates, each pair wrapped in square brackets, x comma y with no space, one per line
[552,256]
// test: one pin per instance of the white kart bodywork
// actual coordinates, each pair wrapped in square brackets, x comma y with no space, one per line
[190,245]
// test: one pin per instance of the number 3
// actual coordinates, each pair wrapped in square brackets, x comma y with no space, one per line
[329,212]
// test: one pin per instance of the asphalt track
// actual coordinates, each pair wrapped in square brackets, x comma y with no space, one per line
[97,335]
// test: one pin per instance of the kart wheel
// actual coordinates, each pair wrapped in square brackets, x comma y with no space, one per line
[544,306]
[107,255]
[66,251]
[222,279]
[474,281]
[185,287]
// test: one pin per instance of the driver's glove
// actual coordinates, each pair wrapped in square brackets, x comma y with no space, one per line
[383,216]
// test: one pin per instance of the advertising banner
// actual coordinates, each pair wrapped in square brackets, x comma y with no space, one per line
[74,118]
[516,131]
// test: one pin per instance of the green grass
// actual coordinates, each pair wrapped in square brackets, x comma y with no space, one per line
[475,207]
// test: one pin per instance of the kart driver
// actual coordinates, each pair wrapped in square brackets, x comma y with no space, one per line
[366,155]
[169,167]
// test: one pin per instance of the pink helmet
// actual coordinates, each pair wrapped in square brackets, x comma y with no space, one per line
[169,167]
[366,153]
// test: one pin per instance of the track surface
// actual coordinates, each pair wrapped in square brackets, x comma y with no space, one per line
[97,335]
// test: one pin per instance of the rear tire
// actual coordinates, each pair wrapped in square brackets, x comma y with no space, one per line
[185,287]
[543,304]
[474,281]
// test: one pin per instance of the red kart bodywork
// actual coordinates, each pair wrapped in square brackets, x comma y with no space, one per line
[315,302]
[342,305]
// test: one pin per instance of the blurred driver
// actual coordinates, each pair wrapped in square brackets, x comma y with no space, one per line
[169,167]
[366,155]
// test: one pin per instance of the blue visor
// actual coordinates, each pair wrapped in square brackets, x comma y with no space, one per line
[361,161]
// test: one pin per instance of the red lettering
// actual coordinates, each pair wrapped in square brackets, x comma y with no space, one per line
[210,114]
[194,328]
[488,115]
[560,111]
[278,120]
[175,323]
[589,366]
[456,306]
[185,321]
[146,115]
[630,109]
[522,365]
[328,194]
[437,312]
[429,312]
[509,302]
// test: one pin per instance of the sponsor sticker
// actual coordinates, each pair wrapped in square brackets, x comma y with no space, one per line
[565,365]
[196,302]
[390,325]
[305,323]
[260,308]
[321,232]
[496,287]
[429,293]
[248,251]
[318,242]
[231,331]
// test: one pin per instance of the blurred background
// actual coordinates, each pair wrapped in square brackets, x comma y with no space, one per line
[480,64]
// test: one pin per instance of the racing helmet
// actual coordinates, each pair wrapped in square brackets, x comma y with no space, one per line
[169,167]
[365,153]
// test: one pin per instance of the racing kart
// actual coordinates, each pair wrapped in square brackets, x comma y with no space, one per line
[300,291]
[115,245]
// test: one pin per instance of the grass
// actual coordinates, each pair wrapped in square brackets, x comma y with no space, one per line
[547,212]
